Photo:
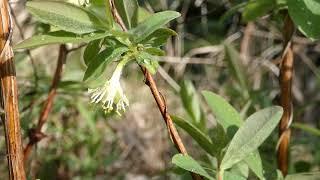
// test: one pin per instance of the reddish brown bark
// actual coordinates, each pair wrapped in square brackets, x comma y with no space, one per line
[160,100]
[35,135]
[285,80]
[9,97]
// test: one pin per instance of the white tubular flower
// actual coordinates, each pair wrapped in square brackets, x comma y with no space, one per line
[111,95]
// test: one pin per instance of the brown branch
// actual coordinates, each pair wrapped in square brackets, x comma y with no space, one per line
[9,97]
[285,80]
[160,100]
[35,134]
[245,43]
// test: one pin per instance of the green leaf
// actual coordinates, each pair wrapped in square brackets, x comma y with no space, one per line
[306,14]
[91,51]
[307,128]
[303,176]
[190,101]
[188,163]
[236,68]
[109,16]
[231,120]
[99,64]
[232,11]
[279,175]
[255,164]
[225,114]
[203,140]
[64,15]
[155,51]
[148,61]
[58,37]
[152,23]
[159,37]
[241,169]
[220,139]
[97,2]
[257,8]
[103,12]
[128,11]
[251,135]
[232,176]
[143,14]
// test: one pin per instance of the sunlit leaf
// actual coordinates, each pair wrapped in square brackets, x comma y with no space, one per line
[191,103]
[159,37]
[225,114]
[257,8]
[66,16]
[188,163]
[58,37]
[203,140]
[128,10]
[251,135]
[152,23]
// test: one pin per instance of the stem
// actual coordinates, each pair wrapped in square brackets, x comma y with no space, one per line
[160,100]
[35,134]
[220,175]
[285,80]
[9,97]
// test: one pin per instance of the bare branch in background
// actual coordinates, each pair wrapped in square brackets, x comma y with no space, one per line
[35,135]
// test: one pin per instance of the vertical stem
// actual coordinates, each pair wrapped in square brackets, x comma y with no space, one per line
[245,43]
[160,100]
[285,80]
[35,135]
[9,97]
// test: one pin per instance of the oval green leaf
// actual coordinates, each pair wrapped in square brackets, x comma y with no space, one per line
[251,135]
[188,163]
[152,23]
[128,10]
[58,37]
[203,140]
[65,16]
[159,37]
[306,14]
[91,51]
[225,114]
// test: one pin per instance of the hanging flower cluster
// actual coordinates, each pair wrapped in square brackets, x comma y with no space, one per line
[111,95]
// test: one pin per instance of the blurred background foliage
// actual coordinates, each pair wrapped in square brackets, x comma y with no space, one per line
[216,50]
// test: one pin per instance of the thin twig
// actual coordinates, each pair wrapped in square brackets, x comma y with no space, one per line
[9,96]
[285,80]
[160,100]
[245,43]
[35,134]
